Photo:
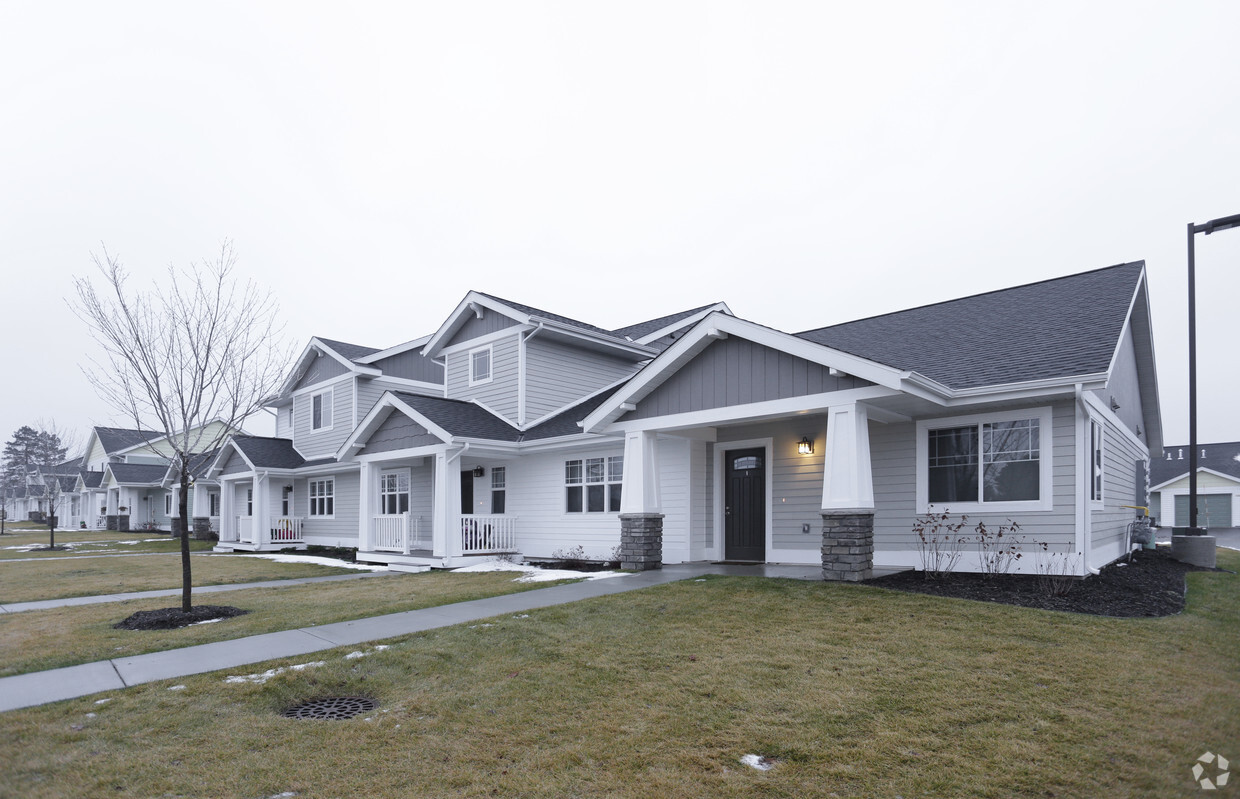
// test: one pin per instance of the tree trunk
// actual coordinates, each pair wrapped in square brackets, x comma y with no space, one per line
[183,495]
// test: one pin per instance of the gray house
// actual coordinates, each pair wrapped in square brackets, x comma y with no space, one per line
[702,436]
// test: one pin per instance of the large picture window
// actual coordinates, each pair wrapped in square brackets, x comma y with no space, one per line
[323,497]
[321,410]
[593,485]
[985,462]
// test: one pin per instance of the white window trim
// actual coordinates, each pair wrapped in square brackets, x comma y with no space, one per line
[329,395]
[607,483]
[310,498]
[469,364]
[1046,462]
[168,504]
[1098,438]
[408,473]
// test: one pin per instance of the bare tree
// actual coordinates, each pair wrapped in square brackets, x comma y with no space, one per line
[202,348]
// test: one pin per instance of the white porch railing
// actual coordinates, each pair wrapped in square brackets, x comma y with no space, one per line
[481,535]
[286,530]
[245,529]
[215,524]
[397,532]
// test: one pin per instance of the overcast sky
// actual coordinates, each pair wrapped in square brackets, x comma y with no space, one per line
[806,163]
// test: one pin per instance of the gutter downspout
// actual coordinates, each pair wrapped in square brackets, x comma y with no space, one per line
[1082,499]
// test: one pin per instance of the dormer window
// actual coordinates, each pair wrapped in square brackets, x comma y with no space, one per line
[480,365]
[321,410]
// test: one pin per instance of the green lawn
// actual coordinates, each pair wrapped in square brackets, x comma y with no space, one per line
[855,691]
[57,578]
[16,544]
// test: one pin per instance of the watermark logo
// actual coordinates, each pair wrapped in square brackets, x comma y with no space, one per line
[1220,771]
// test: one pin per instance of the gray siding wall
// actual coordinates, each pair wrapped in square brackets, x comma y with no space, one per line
[893,455]
[345,525]
[1124,385]
[284,426]
[735,372]
[411,365]
[398,431]
[368,393]
[325,367]
[235,464]
[796,487]
[557,374]
[500,395]
[491,322]
[1108,526]
[322,443]
[240,489]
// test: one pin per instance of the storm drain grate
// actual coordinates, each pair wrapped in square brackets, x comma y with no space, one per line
[331,707]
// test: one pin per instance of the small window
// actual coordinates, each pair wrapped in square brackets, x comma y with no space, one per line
[249,502]
[322,497]
[394,492]
[480,365]
[747,462]
[213,500]
[499,489]
[321,410]
[168,504]
[593,485]
[1095,463]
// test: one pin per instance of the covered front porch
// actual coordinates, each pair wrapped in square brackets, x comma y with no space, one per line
[256,514]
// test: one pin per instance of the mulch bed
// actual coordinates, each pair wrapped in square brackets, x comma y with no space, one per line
[1152,585]
[172,618]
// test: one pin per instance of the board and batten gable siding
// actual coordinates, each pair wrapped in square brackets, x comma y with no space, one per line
[411,365]
[398,431]
[491,322]
[500,394]
[343,529]
[893,459]
[557,374]
[1108,526]
[737,371]
[1124,386]
[97,458]
[234,463]
[324,367]
[323,443]
[796,484]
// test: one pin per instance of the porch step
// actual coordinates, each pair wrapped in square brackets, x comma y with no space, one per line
[411,568]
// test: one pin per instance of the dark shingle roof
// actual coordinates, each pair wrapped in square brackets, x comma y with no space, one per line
[651,325]
[565,422]
[460,418]
[67,482]
[115,439]
[200,463]
[92,479]
[551,317]
[1222,458]
[269,453]
[139,472]
[350,351]
[1055,328]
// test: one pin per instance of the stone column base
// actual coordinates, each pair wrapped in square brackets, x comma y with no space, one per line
[847,546]
[641,541]
[202,529]
[122,524]
[112,522]
[174,524]
[1198,550]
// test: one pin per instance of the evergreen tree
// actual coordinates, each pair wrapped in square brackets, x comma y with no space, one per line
[26,449]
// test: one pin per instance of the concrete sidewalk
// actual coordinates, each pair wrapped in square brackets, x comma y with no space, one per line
[37,688]
[44,604]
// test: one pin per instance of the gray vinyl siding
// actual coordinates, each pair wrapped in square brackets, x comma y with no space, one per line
[796,484]
[491,322]
[324,367]
[701,493]
[240,489]
[1108,526]
[557,374]
[411,365]
[736,371]
[345,524]
[893,453]
[235,464]
[1124,385]
[398,431]
[284,427]
[675,477]
[368,393]
[500,394]
[322,443]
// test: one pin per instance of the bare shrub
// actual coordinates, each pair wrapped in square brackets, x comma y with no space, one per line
[1057,571]
[938,542]
[998,549]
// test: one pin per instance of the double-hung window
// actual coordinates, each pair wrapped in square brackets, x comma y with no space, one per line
[980,463]
[394,492]
[213,501]
[323,497]
[480,365]
[321,410]
[499,489]
[1095,462]
[168,504]
[592,485]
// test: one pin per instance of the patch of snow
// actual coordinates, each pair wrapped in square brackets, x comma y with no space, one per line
[533,574]
[284,795]
[522,616]
[91,715]
[208,621]
[757,761]
[259,679]
[176,688]
[321,561]
[355,655]
[102,701]
[476,626]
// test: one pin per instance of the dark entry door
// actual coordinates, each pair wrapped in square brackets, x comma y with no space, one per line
[744,510]
[467,492]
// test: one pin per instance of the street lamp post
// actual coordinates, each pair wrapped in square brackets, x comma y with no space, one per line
[1213,226]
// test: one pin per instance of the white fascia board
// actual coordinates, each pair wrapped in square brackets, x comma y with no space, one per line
[1032,389]
[350,365]
[1200,470]
[434,346]
[755,411]
[402,454]
[610,341]
[315,344]
[482,341]
[386,404]
[707,330]
[214,471]
[404,382]
[417,343]
[720,307]
[569,442]
[315,388]
[1125,328]
[335,467]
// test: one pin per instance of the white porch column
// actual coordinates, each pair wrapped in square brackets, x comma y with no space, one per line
[641,517]
[444,514]
[847,496]
[228,517]
[260,524]
[365,524]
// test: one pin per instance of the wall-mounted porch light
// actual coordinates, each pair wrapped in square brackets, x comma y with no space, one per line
[805,446]
[479,471]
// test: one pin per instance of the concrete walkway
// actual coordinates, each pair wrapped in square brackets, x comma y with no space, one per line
[44,604]
[37,688]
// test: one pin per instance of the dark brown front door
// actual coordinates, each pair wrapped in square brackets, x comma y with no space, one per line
[744,508]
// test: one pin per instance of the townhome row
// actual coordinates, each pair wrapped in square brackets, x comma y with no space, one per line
[697,436]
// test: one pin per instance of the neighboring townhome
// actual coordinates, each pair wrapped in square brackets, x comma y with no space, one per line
[1218,486]
[702,436]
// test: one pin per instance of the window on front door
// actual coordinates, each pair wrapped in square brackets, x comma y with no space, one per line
[394,492]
